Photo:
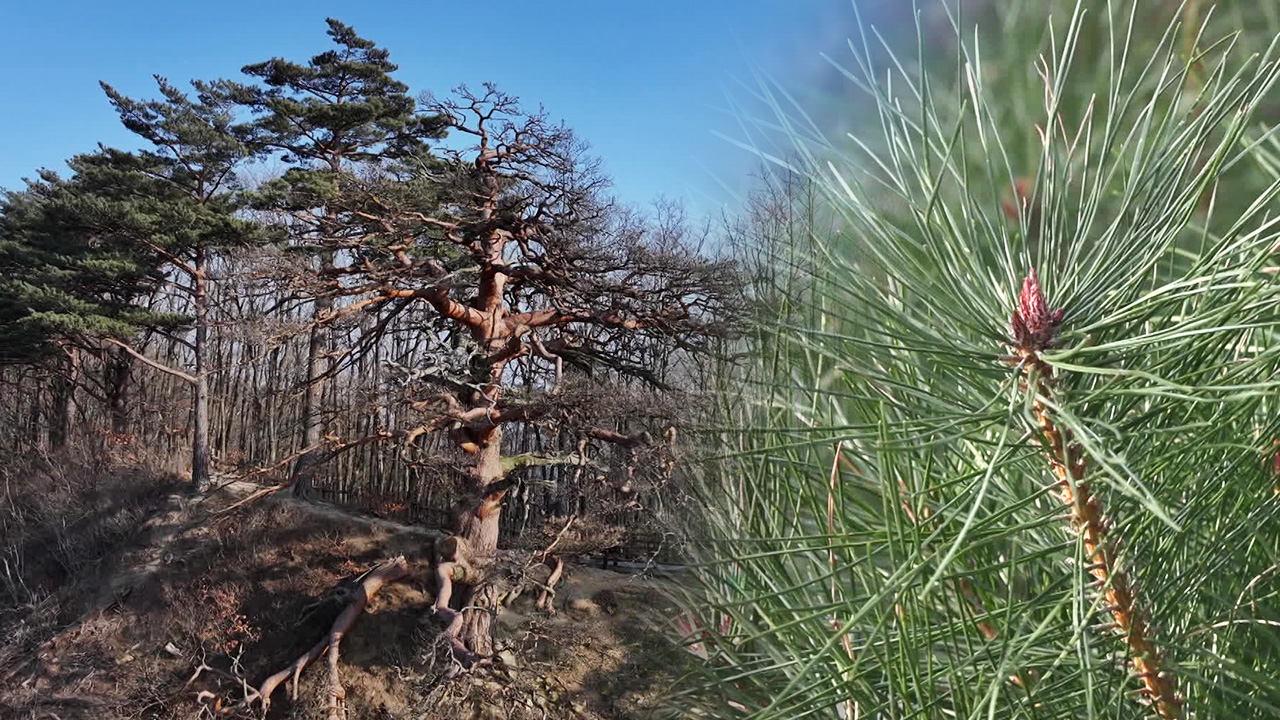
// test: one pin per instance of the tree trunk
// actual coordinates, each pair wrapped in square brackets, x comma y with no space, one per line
[312,398]
[200,426]
[118,367]
[38,432]
[64,389]
[480,526]
[480,529]
[476,630]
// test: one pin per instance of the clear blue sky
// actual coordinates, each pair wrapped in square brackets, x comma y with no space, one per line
[641,81]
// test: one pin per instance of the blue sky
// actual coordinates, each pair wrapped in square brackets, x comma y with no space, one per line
[642,82]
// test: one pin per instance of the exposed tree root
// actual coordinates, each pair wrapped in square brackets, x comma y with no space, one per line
[451,563]
[385,572]
[548,593]
[337,693]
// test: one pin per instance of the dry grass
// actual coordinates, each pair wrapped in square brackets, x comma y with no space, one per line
[62,520]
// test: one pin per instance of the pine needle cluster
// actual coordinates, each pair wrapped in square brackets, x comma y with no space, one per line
[1010,447]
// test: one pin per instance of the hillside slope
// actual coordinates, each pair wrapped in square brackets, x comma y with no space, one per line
[118,586]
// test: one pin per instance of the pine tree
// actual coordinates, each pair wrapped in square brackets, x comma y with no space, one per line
[528,269]
[1012,447]
[340,115]
[184,208]
[54,281]
[65,287]
[125,226]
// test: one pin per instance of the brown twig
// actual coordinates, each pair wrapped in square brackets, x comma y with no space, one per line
[250,694]
[1101,555]
[1034,326]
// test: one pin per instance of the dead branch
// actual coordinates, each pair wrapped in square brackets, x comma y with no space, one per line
[253,496]
[559,536]
[244,477]
[541,350]
[621,439]
[250,694]
[326,457]
[185,377]
[277,465]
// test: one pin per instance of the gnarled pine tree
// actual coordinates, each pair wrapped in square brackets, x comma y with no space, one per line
[528,263]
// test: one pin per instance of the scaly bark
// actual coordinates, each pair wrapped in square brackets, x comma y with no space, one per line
[1034,326]
[478,525]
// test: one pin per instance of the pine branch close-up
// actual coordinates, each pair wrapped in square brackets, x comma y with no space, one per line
[1009,446]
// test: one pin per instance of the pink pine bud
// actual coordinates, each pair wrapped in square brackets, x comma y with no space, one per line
[1033,323]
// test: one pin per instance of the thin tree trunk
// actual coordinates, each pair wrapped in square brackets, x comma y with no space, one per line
[118,367]
[64,389]
[38,432]
[200,426]
[312,398]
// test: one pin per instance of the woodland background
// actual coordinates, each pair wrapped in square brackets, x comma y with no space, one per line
[103,312]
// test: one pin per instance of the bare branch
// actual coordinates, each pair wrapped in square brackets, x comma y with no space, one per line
[152,363]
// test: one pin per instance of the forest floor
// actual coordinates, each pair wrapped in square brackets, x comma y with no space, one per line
[116,588]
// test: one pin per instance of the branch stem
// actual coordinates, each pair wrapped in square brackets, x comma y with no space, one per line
[1119,595]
